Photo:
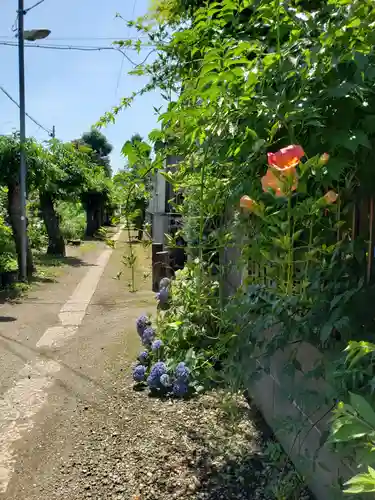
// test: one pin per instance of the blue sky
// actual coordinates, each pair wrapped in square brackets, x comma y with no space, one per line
[69,89]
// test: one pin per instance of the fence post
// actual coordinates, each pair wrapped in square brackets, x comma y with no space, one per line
[156,248]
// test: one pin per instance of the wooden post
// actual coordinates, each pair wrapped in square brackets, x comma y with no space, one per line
[355,222]
[161,269]
[156,248]
[370,256]
[177,258]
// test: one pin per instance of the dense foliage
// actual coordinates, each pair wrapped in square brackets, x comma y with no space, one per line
[243,79]
[60,178]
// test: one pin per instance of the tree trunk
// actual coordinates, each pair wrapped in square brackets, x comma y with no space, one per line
[14,211]
[108,217]
[92,217]
[102,213]
[93,207]
[90,221]
[56,245]
[98,217]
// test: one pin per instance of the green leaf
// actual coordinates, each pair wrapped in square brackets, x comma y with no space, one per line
[351,140]
[349,432]
[363,408]
[274,129]
[361,483]
[297,365]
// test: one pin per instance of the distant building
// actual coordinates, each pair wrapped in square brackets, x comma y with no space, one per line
[160,212]
[165,221]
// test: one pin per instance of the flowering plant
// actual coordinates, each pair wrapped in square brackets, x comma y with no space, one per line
[160,375]
[284,235]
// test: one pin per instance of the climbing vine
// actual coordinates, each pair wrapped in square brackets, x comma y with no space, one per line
[274,119]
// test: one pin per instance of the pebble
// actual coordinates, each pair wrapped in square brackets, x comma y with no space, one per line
[188,450]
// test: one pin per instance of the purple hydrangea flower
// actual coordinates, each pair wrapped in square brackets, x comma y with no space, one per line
[165,380]
[148,336]
[163,296]
[156,345]
[159,369]
[182,372]
[152,382]
[156,372]
[143,357]
[139,373]
[142,323]
[180,389]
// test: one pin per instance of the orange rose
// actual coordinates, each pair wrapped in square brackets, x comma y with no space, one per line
[330,197]
[247,203]
[286,158]
[275,182]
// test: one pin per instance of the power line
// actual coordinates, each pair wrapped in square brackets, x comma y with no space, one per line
[83,38]
[81,48]
[49,132]
[133,12]
[122,62]
[119,76]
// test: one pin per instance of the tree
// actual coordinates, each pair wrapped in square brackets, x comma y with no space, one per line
[9,177]
[63,174]
[136,180]
[96,201]
[101,148]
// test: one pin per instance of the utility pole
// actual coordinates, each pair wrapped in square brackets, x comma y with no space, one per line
[23,166]
[30,36]
[53,134]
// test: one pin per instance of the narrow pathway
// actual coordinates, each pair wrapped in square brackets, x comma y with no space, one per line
[30,334]
[72,427]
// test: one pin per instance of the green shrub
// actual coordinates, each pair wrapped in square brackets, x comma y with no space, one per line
[191,327]
[8,260]
[37,233]
[72,220]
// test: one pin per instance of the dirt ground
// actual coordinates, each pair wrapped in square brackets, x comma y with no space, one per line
[96,437]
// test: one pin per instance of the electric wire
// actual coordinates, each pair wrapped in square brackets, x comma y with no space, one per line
[49,132]
[132,16]
[123,59]
[81,48]
[83,38]
[119,76]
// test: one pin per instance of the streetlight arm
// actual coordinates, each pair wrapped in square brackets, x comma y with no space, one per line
[33,6]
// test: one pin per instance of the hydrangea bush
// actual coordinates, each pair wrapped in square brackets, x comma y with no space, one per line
[180,352]
[161,374]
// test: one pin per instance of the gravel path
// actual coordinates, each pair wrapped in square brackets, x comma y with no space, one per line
[100,439]
[155,450]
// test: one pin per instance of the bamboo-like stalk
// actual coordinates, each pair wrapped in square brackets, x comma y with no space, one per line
[355,222]
[338,217]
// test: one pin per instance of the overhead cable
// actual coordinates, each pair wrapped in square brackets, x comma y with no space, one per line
[49,132]
[81,48]
[84,38]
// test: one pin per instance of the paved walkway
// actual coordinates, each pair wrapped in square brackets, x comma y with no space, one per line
[58,358]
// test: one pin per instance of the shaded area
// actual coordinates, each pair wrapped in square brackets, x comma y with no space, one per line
[7,319]
[12,292]
[205,448]
[226,471]
[53,261]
